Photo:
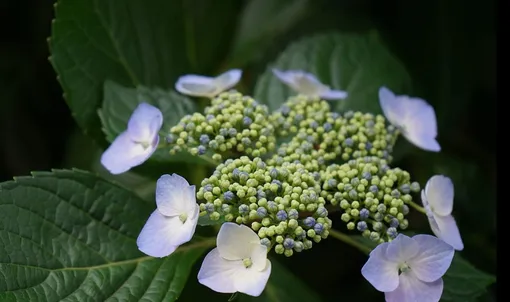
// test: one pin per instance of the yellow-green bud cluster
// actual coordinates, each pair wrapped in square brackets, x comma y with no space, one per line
[330,137]
[233,125]
[372,196]
[282,204]
[294,113]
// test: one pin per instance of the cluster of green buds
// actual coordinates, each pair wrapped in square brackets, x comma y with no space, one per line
[282,204]
[233,125]
[372,196]
[329,136]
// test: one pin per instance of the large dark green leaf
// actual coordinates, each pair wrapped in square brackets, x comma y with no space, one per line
[283,286]
[463,282]
[260,22]
[70,236]
[133,43]
[357,63]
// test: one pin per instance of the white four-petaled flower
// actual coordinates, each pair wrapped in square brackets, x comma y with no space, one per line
[409,269]
[137,143]
[437,198]
[238,264]
[414,117]
[175,219]
[307,84]
[202,86]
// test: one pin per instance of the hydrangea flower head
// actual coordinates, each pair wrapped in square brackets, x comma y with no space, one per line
[135,145]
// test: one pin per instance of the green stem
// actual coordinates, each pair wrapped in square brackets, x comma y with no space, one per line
[345,238]
[417,207]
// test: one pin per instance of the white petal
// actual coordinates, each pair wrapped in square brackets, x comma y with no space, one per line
[448,231]
[419,122]
[154,239]
[392,108]
[439,194]
[145,123]
[252,282]
[196,85]
[433,259]
[288,77]
[219,274]
[236,241]
[411,289]
[402,249]
[259,257]
[124,154]
[379,271]
[334,95]
[174,195]
[228,79]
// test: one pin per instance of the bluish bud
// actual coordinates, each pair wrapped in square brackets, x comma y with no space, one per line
[261,212]
[353,194]
[272,206]
[394,223]
[243,177]
[235,173]
[314,125]
[322,211]
[229,196]
[366,175]
[318,227]
[395,193]
[244,209]
[281,215]
[392,232]
[405,188]
[201,150]
[349,142]
[332,183]
[247,121]
[170,138]
[355,182]
[384,168]
[209,117]
[364,214]
[209,207]
[368,146]
[405,209]
[362,226]
[293,214]
[288,243]
[327,127]
[208,188]
[309,221]
[299,117]
[415,187]
[381,208]
[245,141]
[266,242]
[273,173]
[261,194]
[285,110]
[374,189]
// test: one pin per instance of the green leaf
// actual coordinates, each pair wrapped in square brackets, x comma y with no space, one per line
[463,282]
[283,286]
[133,43]
[205,220]
[120,102]
[71,236]
[260,22]
[357,63]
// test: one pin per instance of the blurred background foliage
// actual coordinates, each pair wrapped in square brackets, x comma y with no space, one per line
[447,46]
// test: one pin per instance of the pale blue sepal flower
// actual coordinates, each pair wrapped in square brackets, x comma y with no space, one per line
[203,86]
[437,199]
[135,145]
[175,219]
[307,84]
[414,117]
[238,264]
[421,260]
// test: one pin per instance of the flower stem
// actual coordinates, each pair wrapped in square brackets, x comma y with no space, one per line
[417,207]
[345,238]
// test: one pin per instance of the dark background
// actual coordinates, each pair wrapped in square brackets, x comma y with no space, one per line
[448,46]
